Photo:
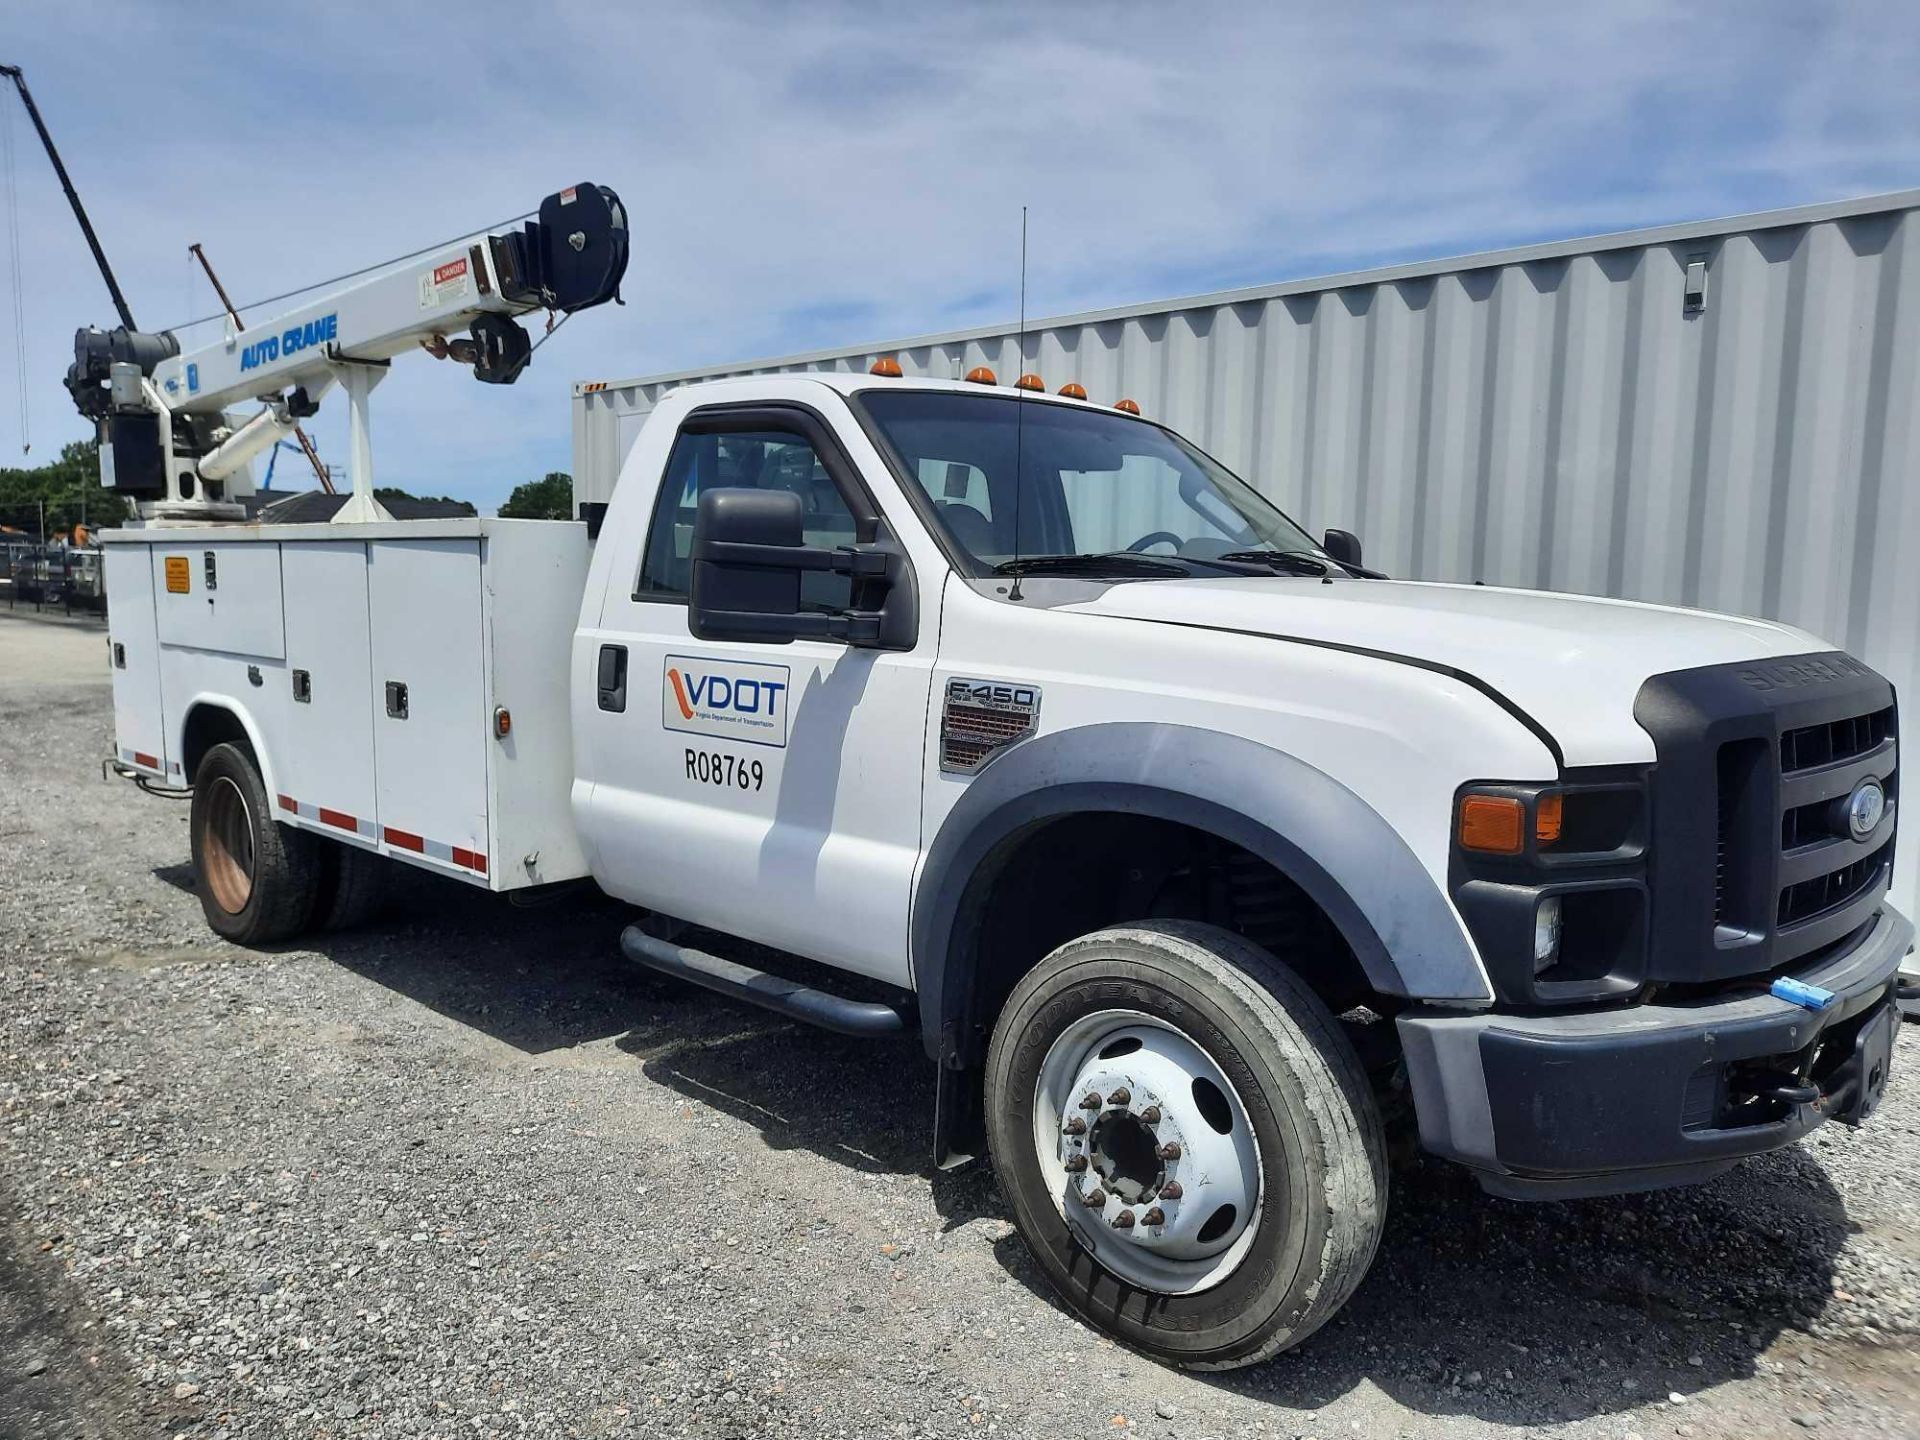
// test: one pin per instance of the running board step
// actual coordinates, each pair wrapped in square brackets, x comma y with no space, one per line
[758,987]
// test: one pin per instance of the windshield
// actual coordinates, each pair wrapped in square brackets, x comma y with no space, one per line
[1098,491]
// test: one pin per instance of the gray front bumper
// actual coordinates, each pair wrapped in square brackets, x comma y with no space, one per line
[1604,1101]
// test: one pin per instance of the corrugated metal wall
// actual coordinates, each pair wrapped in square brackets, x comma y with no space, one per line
[1551,417]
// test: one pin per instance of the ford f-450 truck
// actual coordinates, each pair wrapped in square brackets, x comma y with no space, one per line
[1187,845]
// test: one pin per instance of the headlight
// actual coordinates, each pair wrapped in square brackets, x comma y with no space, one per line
[1546,933]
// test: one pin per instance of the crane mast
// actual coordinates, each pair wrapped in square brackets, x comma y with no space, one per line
[169,437]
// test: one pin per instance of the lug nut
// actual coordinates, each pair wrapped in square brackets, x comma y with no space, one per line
[1094,1198]
[1076,1163]
[1090,1101]
[1171,1190]
[1075,1126]
[1155,1216]
[1122,1096]
[1150,1115]
[1170,1150]
[1124,1220]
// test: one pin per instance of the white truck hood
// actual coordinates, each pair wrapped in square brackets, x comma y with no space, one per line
[1572,662]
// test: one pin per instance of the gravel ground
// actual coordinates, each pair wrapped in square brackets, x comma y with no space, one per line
[465,1173]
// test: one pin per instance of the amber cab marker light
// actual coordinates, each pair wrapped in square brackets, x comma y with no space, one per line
[1074,390]
[981,375]
[1493,824]
[1127,405]
[502,721]
[886,366]
[1030,381]
[1547,813]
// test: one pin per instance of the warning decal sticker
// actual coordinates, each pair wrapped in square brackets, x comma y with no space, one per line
[179,575]
[445,283]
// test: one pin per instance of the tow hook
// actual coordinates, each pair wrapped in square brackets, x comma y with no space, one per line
[1778,1085]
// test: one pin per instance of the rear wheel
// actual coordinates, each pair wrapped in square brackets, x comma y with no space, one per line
[1188,1142]
[353,886]
[256,879]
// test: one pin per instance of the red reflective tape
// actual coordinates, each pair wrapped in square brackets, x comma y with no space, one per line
[471,859]
[338,818]
[147,760]
[405,841]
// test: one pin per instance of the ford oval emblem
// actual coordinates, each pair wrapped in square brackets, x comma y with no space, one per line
[1865,807]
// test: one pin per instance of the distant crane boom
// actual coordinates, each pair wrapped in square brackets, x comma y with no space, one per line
[13,73]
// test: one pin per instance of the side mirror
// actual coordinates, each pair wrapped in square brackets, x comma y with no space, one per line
[1342,545]
[749,552]
[760,598]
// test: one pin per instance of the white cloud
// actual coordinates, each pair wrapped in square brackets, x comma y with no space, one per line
[819,175]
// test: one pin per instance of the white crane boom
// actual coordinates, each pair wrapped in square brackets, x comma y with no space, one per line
[165,435]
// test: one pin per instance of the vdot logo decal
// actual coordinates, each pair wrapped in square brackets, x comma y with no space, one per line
[726,699]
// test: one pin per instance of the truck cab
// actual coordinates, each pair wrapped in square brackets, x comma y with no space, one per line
[930,681]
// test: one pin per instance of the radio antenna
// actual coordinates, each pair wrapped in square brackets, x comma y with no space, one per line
[1020,411]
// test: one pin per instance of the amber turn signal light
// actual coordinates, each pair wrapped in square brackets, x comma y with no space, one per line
[502,721]
[885,366]
[1493,824]
[1497,824]
[1547,814]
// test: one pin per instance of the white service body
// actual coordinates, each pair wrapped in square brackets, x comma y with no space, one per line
[471,616]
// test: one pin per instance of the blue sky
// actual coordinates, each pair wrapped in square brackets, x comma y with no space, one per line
[821,175]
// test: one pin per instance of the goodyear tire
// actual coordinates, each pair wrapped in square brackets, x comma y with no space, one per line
[1188,1142]
[257,879]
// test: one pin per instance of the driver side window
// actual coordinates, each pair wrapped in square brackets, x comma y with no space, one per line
[758,459]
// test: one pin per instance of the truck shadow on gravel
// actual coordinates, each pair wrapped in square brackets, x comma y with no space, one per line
[1509,1313]
[1531,1314]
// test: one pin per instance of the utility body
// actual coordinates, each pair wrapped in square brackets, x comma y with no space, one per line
[1194,853]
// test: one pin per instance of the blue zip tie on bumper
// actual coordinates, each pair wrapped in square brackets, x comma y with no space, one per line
[1813,997]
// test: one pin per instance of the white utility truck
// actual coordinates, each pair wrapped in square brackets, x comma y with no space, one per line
[1189,847]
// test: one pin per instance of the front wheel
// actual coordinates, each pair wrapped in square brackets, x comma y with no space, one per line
[257,879]
[1188,1142]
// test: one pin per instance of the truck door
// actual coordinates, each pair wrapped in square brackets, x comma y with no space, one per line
[770,791]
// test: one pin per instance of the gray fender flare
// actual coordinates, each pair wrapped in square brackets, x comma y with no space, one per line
[1309,826]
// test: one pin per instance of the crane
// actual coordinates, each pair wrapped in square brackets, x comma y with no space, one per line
[169,440]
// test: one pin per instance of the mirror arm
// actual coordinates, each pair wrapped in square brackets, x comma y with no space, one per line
[860,561]
[855,627]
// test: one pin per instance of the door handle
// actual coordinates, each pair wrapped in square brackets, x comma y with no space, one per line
[613,677]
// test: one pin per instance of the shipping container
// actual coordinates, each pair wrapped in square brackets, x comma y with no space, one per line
[1723,414]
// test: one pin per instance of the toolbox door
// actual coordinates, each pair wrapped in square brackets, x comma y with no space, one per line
[221,596]
[326,767]
[429,702]
[133,650]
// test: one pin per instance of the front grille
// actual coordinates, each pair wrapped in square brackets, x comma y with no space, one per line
[1822,870]
[1811,746]
[1752,865]
[1810,899]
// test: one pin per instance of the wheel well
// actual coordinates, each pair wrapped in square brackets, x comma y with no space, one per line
[1066,876]
[206,727]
